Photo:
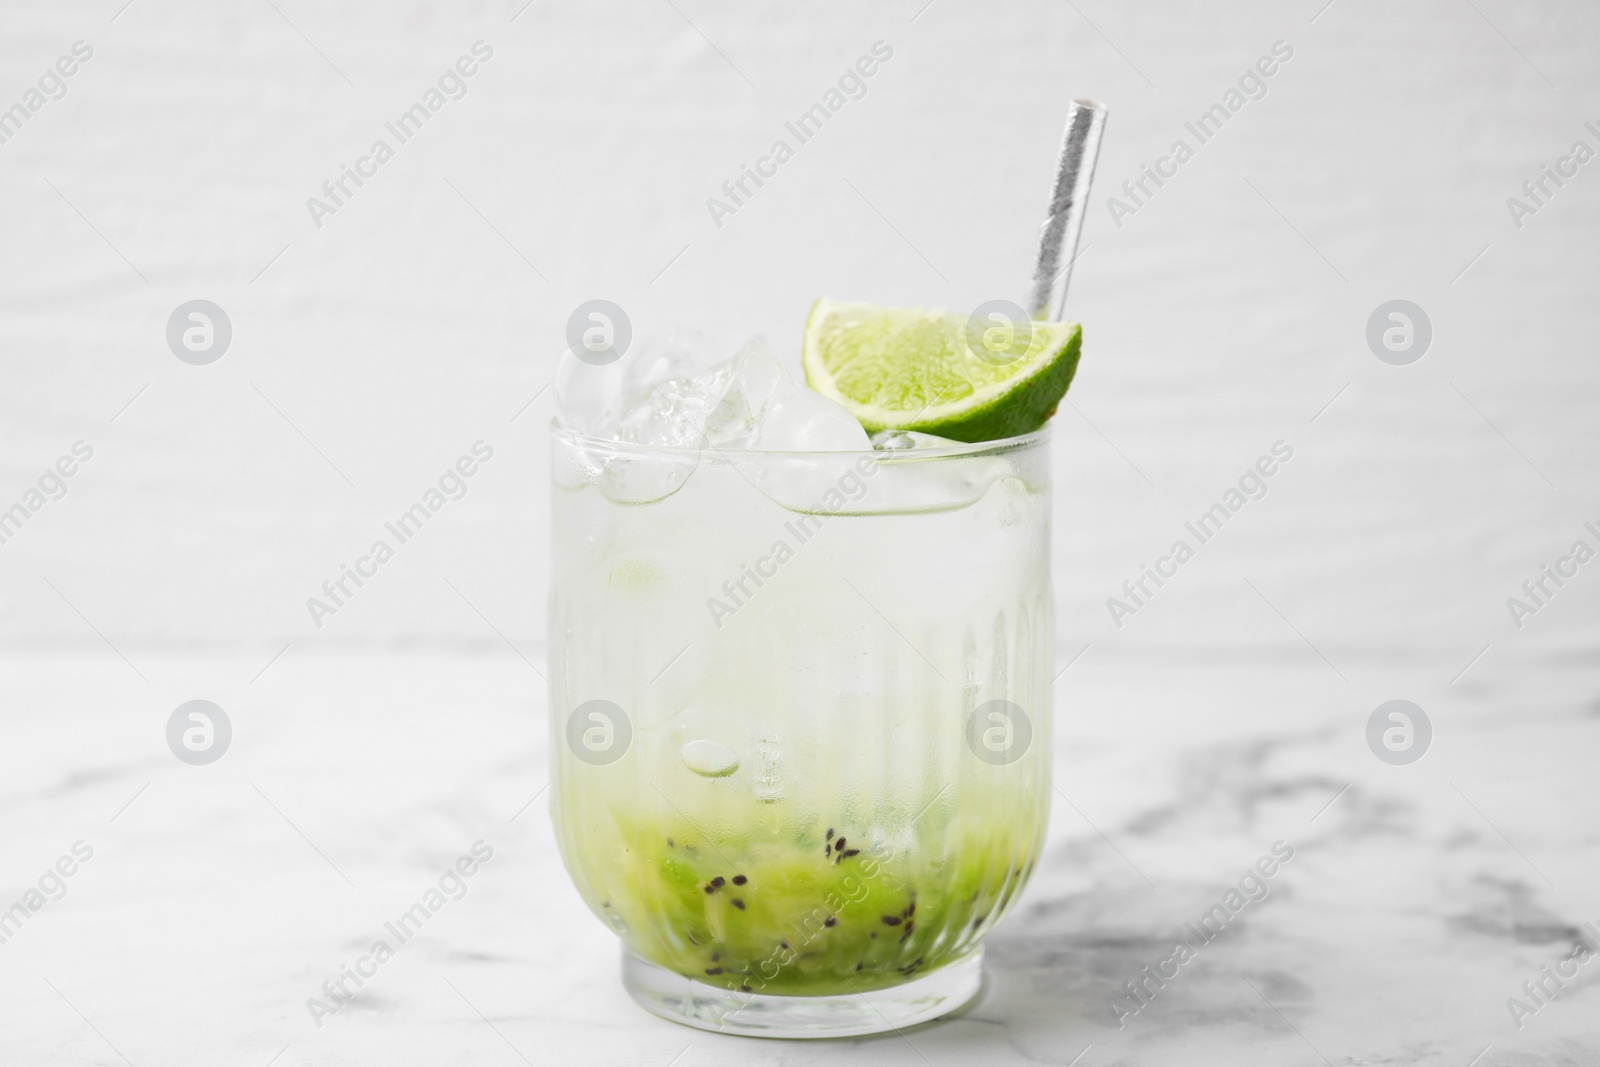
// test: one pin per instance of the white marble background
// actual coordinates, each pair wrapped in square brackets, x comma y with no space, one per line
[1226,314]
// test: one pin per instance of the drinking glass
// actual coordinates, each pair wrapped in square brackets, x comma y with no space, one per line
[800,719]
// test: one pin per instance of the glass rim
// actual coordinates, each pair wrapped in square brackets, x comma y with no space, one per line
[959,450]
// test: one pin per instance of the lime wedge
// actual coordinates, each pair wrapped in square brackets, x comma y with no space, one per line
[937,371]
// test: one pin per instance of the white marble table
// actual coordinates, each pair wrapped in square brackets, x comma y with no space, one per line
[219,899]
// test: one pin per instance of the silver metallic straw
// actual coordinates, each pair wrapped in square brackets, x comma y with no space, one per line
[1058,243]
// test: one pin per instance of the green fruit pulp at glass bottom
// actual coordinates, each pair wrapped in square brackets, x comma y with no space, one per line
[802,916]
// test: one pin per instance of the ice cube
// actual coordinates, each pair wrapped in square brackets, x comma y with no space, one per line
[588,397]
[816,469]
[675,354]
[590,401]
[674,412]
[657,393]
[796,419]
[735,422]
[677,395]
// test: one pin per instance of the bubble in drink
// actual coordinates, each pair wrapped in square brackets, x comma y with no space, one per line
[709,759]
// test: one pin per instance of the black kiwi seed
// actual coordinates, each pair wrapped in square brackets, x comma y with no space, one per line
[744,989]
[891,920]
[711,889]
[738,903]
[858,966]
[671,843]
[830,833]
[911,909]
[713,970]
[839,843]
[832,920]
[783,944]
[719,881]
[852,852]
[739,879]
[716,957]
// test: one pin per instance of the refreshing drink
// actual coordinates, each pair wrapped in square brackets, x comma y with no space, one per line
[800,677]
[800,698]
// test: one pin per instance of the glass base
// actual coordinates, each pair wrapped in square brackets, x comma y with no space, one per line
[707,1007]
